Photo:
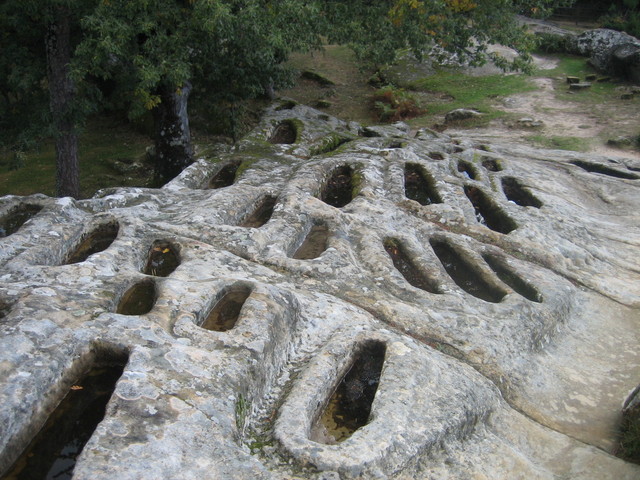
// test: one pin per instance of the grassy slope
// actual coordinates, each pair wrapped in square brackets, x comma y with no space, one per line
[104,140]
[350,98]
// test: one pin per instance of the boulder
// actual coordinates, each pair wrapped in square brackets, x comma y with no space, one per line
[461,114]
[620,141]
[528,122]
[610,51]
[625,61]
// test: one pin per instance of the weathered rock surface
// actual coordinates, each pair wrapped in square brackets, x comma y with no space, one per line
[461,114]
[625,61]
[610,51]
[515,365]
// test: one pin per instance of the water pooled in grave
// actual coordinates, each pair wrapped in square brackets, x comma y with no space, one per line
[464,274]
[604,170]
[262,214]
[508,276]
[162,259]
[467,170]
[225,177]
[284,133]
[139,299]
[405,266]
[53,452]
[515,192]
[96,241]
[349,407]
[314,243]
[17,217]
[226,311]
[338,191]
[487,213]
[419,186]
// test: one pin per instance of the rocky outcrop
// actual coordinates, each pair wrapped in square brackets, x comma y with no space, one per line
[460,114]
[625,61]
[612,52]
[500,306]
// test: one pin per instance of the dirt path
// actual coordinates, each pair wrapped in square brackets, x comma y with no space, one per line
[584,120]
[541,113]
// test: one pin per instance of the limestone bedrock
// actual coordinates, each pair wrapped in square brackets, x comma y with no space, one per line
[514,365]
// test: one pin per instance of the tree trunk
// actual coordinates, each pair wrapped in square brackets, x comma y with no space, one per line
[172,135]
[61,97]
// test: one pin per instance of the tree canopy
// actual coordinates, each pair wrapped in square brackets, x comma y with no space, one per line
[377,30]
[153,49]
[145,55]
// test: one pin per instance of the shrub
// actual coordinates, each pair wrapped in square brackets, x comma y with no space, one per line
[552,43]
[628,21]
[392,104]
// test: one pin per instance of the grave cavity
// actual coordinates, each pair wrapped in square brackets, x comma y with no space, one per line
[139,299]
[53,451]
[97,240]
[465,273]
[511,278]
[5,308]
[226,311]
[225,177]
[487,212]
[349,408]
[15,218]
[467,170]
[313,244]
[162,259]
[491,164]
[407,267]
[261,214]
[284,133]
[419,185]
[604,170]
[338,190]
[518,194]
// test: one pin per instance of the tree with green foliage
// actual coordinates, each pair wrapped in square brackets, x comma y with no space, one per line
[39,95]
[445,30]
[151,53]
[623,15]
[155,50]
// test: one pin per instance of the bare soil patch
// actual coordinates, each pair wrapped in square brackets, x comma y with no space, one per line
[593,121]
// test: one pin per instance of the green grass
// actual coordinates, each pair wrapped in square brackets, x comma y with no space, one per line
[572,66]
[466,91]
[575,144]
[104,140]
